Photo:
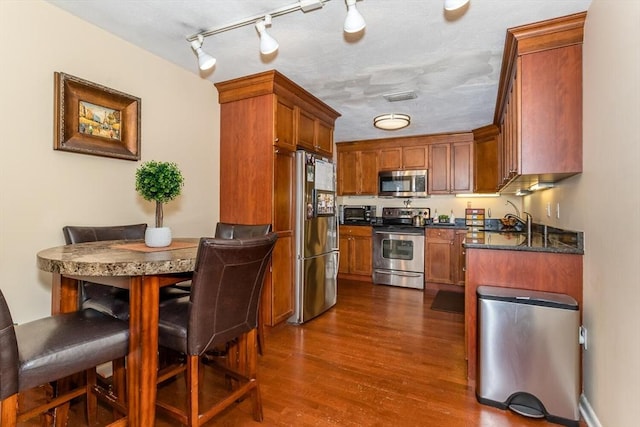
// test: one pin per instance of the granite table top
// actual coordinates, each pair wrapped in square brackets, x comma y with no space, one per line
[119,258]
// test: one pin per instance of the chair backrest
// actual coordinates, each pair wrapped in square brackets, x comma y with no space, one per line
[77,234]
[8,352]
[226,230]
[225,289]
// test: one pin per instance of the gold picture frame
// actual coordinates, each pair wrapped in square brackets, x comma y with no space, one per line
[94,119]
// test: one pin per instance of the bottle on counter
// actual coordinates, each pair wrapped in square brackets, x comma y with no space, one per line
[435,216]
[452,218]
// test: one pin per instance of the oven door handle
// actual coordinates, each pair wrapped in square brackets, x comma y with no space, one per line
[398,273]
[402,233]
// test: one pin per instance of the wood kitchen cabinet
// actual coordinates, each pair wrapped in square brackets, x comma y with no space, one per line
[460,257]
[357,172]
[258,138]
[440,256]
[539,110]
[314,134]
[536,271]
[451,167]
[444,257]
[399,158]
[356,250]
[485,164]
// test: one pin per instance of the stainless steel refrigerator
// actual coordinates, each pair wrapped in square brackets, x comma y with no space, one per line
[317,253]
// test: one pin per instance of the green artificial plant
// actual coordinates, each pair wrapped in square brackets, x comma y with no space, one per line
[160,182]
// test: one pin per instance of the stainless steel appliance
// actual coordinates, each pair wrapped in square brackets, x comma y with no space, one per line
[398,248]
[529,353]
[316,237]
[357,214]
[402,183]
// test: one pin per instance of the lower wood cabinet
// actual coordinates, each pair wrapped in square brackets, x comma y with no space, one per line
[356,250]
[445,256]
[439,256]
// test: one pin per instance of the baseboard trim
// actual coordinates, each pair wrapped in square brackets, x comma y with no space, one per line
[588,413]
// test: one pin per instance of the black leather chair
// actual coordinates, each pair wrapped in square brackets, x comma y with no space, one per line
[225,230]
[223,305]
[110,300]
[49,349]
[107,299]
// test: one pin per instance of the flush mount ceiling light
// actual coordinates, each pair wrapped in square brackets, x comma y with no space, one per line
[392,121]
[205,61]
[454,4]
[354,22]
[268,44]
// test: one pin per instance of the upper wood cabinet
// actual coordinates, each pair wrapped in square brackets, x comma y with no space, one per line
[258,137]
[452,162]
[285,124]
[539,110]
[357,172]
[398,158]
[451,167]
[485,164]
[314,134]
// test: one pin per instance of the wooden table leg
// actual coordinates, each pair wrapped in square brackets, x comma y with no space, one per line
[142,371]
[64,299]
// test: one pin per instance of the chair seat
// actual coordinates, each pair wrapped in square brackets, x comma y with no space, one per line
[115,301]
[173,323]
[61,345]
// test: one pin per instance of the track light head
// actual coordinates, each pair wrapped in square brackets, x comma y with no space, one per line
[205,61]
[268,44]
[354,22]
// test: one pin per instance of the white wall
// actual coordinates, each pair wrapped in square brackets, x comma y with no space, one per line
[604,202]
[42,190]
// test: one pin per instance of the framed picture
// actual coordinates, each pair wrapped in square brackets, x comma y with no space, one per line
[94,119]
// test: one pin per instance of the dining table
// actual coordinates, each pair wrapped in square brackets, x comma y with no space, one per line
[143,271]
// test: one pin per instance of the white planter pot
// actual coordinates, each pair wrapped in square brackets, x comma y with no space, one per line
[157,237]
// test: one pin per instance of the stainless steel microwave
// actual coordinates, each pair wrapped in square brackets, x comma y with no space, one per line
[402,183]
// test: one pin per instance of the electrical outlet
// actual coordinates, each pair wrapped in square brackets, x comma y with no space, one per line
[557,210]
[582,333]
[548,210]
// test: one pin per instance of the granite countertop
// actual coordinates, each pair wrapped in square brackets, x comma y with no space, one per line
[553,240]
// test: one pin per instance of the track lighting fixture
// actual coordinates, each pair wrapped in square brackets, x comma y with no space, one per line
[354,22]
[205,61]
[454,4]
[268,44]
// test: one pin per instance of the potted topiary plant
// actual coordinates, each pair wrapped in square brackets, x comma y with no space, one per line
[160,182]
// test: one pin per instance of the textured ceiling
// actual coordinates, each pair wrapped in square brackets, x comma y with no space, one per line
[451,60]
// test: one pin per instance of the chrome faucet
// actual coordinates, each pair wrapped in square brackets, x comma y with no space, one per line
[509,202]
[528,223]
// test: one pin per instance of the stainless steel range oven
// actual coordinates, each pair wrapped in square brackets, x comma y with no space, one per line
[398,249]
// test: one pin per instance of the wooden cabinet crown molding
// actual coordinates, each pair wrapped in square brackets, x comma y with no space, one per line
[531,38]
[405,141]
[273,82]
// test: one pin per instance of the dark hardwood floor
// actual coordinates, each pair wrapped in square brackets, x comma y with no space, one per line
[381,357]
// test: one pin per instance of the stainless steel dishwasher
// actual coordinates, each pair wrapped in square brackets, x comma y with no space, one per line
[529,353]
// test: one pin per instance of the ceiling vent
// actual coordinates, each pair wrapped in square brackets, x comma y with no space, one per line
[400,96]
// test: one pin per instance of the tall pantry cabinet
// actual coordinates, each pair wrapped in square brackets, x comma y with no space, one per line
[259,133]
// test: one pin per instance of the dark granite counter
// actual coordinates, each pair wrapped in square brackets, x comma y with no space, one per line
[543,239]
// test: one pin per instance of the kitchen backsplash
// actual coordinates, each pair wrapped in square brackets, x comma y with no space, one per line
[443,205]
